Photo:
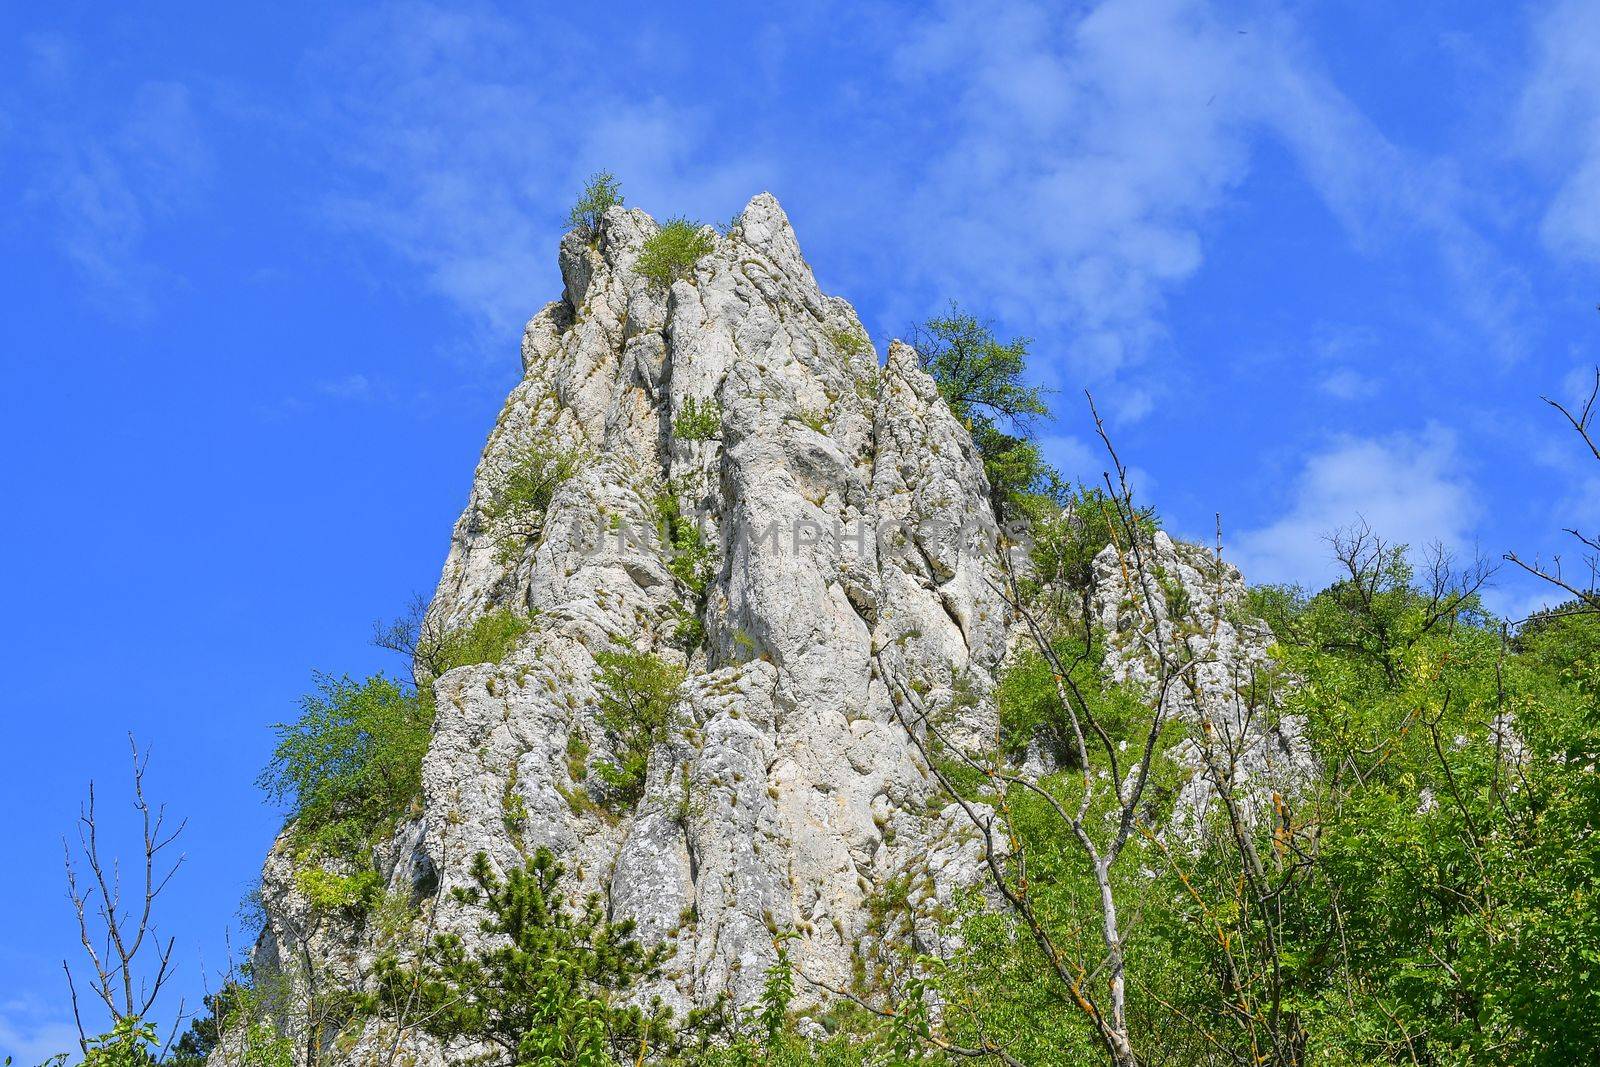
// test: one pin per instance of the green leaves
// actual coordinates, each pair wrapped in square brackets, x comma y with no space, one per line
[981,379]
[522,496]
[600,193]
[350,767]
[669,255]
[549,984]
[698,421]
[638,707]
[487,639]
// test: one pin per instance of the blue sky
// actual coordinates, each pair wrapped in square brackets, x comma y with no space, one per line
[265,268]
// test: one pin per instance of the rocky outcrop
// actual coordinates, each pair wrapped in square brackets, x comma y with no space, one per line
[750,495]
[1182,606]
[852,556]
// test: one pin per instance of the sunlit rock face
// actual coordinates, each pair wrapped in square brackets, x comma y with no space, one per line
[853,562]
[852,584]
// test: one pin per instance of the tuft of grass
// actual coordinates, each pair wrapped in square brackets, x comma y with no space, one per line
[817,420]
[487,640]
[520,501]
[638,707]
[849,342]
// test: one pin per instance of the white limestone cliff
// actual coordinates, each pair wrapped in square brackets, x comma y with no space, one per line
[855,562]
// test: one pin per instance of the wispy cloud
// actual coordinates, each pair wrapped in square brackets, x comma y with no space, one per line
[1060,167]
[1093,149]
[102,179]
[460,155]
[32,1032]
[1409,488]
[1559,125]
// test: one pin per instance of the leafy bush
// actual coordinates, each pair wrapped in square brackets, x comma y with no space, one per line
[1070,527]
[980,378]
[327,890]
[689,560]
[672,251]
[600,193]
[698,422]
[638,708]
[849,342]
[350,767]
[519,503]
[488,639]
[690,556]
[1029,705]
[979,375]
[549,987]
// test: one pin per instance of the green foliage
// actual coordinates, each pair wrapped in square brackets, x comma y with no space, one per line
[979,375]
[777,992]
[849,341]
[350,767]
[981,378]
[816,420]
[600,193]
[697,421]
[327,890]
[670,253]
[1070,526]
[1427,898]
[689,559]
[548,990]
[487,639]
[638,708]
[234,1020]
[1029,706]
[131,1042]
[523,496]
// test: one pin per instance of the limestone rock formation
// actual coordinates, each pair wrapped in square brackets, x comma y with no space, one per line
[852,555]
[843,560]
[1181,604]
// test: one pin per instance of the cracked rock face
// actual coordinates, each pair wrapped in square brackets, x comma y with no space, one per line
[853,562]
[1191,601]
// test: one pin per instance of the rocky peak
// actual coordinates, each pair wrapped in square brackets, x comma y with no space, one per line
[844,552]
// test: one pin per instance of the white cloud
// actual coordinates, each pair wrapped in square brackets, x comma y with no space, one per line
[1409,488]
[1559,124]
[1343,383]
[1058,167]
[102,180]
[465,154]
[1091,151]
[31,1033]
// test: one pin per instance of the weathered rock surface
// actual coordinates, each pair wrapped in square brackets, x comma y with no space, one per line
[1180,605]
[854,556]
[854,566]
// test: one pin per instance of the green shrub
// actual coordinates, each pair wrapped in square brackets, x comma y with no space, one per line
[327,890]
[350,767]
[519,503]
[671,253]
[1070,527]
[849,342]
[689,555]
[980,378]
[698,422]
[488,639]
[1029,705]
[600,192]
[817,420]
[638,708]
[550,985]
